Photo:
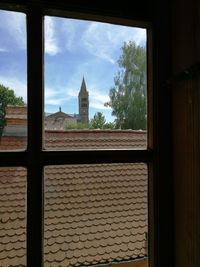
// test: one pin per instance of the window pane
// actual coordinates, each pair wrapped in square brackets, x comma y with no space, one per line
[13,81]
[95,84]
[13,216]
[95,214]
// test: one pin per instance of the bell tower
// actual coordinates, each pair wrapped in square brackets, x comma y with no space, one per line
[83,98]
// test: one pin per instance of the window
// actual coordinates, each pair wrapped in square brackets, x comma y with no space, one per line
[38,161]
[84,105]
[13,81]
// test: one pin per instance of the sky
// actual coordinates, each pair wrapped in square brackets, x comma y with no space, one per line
[73,49]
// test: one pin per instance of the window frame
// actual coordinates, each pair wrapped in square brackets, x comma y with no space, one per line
[35,158]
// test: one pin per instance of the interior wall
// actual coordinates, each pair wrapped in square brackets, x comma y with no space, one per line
[186,131]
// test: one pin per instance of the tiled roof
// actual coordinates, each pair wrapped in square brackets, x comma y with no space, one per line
[16,110]
[16,114]
[95,139]
[82,139]
[93,213]
[13,143]
[12,217]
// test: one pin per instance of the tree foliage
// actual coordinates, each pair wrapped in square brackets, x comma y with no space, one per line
[109,125]
[80,125]
[98,121]
[7,97]
[128,97]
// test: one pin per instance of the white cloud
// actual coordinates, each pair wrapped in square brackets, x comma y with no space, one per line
[97,99]
[59,96]
[72,92]
[14,23]
[69,33]
[103,40]
[52,97]
[3,49]
[96,41]
[51,45]
[19,87]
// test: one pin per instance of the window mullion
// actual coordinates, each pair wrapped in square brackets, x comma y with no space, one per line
[35,113]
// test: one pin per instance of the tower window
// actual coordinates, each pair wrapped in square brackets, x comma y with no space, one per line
[84,105]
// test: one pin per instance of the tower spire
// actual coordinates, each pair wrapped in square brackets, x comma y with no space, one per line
[83,103]
[83,86]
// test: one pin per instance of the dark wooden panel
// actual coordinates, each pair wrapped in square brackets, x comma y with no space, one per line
[186,158]
[185,34]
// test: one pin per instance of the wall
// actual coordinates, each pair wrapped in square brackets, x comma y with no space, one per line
[186,131]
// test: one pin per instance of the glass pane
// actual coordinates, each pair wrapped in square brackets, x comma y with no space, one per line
[95,85]
[13,81]
[13,216]
[95,214]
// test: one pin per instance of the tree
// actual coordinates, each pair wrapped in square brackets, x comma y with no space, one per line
[79,125]
[98,121]
[7,97]
[109,125]
[128,97]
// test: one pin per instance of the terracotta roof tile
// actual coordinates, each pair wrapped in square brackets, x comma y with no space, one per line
[101,217]
[85,139]
[93,214]
[12,221]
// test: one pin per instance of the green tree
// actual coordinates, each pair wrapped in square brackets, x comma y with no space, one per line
[109,125]
[79,125]
[128,97]
[7,97]
[98,121]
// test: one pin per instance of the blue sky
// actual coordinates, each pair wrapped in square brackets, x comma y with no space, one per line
[73,49]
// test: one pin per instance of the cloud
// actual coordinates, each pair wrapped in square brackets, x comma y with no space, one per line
[13,26]
[105,40]
[97,99]
[70,32]
[102,40]
[51,43]
[19,87]
[3,50]
[53,97]
[71,93]
[59,96]
[95,40]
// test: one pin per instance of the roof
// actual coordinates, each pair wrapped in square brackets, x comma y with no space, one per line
[59,114]
[13,143]
[16,110]
[95,139]
[94,214]
[16,114]
[13,218]
[82,139]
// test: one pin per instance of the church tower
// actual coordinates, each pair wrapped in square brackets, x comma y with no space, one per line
[83,98]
